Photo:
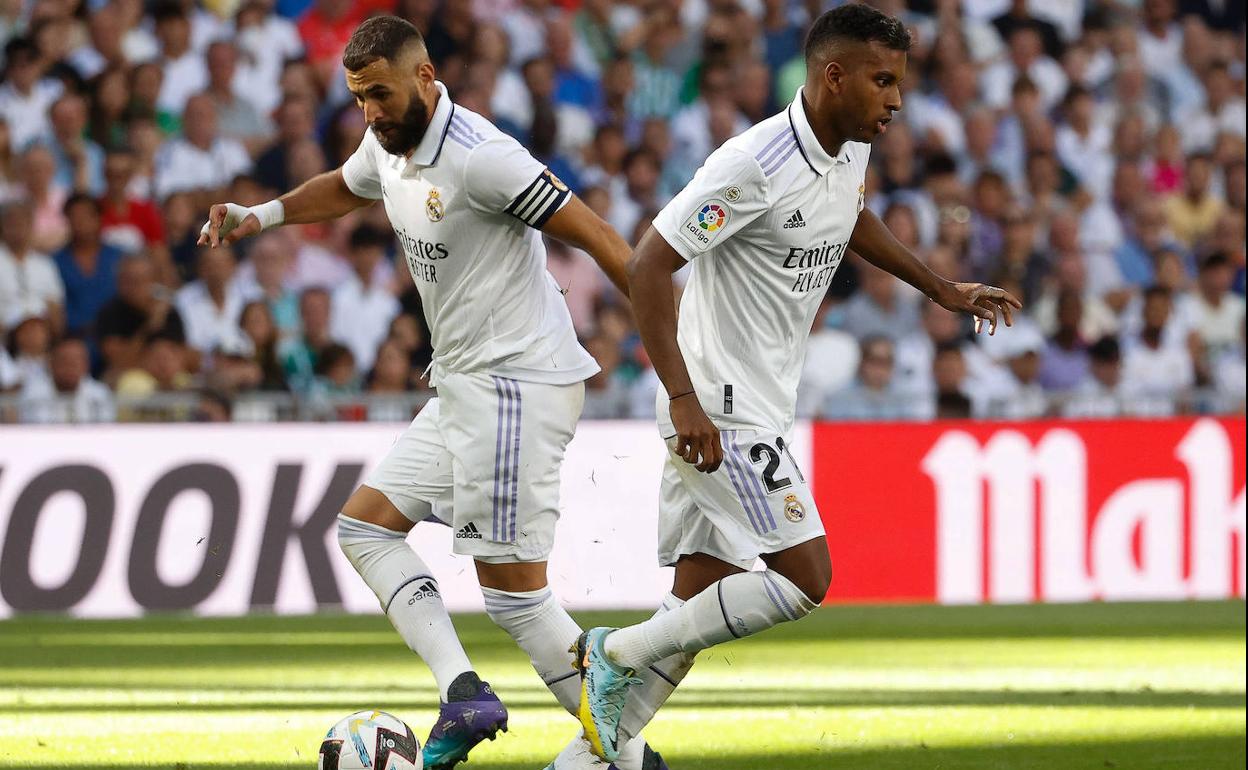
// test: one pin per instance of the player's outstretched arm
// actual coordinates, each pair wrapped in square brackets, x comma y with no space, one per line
[324,196]
[577,225]
[654,304]
[876,244]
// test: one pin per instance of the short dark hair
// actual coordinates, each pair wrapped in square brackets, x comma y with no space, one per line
[1105,350]
[168,11]
[1156,291]
[369,237]
[859,22]
[1215,260]
[381,37]
[80,198]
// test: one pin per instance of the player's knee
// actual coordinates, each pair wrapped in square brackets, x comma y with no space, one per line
[812,578]
[789,597]
[357,539]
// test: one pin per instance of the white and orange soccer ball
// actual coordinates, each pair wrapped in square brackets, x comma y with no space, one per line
[370,740]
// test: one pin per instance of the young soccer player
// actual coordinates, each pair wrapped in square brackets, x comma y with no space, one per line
[765,222]
[466,202]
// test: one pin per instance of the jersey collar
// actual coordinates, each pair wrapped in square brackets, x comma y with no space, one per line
[430,147]
[816,157]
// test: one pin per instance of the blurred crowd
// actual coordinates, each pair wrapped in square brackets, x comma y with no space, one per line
[1087,155]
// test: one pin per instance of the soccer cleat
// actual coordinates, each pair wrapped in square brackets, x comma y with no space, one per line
[604,691]
[471,714]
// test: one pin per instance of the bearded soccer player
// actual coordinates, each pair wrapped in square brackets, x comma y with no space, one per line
[467,203]
[765,222]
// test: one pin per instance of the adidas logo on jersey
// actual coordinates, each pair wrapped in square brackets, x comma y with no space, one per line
[469,532]
[427,590]
[795,221]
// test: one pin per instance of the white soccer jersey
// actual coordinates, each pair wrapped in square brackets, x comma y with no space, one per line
[465,207]
[765,221]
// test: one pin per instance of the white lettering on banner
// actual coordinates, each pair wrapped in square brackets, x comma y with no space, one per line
[1012,469]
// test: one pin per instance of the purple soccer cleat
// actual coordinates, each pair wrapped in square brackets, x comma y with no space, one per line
[471,714]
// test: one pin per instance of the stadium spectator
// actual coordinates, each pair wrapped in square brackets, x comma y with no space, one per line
[128,222]
[832,357]
[29,280]
[884,307]
[873,394]
[1019,395]
[296,120]
[201,162]
[25,95]
[107,116]
[1193,213]
[1158,373]
[266,40]
[210,306]
[160,369]
[363,307]
[38,172]
[1064,362]
[301,355]
[87,265]
[260,331]
[182,65]
[68,394]
[79,160]
[1101,393]
[142,309]
[237,117]
[26,351]
[265,276]
[105,46]
[1219,313]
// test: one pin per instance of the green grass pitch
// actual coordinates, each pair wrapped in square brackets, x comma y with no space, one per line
[1053,687]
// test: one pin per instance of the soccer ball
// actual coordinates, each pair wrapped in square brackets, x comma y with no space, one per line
[370,740]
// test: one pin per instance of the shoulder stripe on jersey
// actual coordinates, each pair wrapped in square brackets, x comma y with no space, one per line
[777,151]
[459,136]
[539,201]
[468,130]
[771,144]
[775,165]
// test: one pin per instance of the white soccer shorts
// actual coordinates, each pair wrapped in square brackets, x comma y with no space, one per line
[484,457]
[757,502]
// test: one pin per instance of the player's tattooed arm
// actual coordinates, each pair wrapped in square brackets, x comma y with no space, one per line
[577,225]
[654,305]
[873,241]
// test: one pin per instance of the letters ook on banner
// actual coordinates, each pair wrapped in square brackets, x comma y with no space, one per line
[223,520]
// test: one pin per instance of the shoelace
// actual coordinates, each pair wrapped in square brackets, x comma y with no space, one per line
[612,701]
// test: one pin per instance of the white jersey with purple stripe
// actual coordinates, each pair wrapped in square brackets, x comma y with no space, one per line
[466,206]
[765,222]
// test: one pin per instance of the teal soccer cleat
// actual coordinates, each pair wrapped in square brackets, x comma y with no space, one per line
[604,691]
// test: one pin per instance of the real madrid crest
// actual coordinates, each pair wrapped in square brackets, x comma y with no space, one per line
[733,194]
[794,511]
[434,206]
[862,197]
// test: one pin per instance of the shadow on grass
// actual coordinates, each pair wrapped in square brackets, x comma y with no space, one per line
[705,700]
[1205,753]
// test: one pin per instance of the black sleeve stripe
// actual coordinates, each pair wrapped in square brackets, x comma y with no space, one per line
[539,201]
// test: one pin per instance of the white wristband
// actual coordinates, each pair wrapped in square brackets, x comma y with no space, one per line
[271,214]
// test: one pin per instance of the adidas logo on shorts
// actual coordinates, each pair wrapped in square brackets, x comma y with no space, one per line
[469,532]
[427,590]
[795,221]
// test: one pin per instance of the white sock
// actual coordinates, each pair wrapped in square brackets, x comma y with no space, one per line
[408,594]
[737,606]
[545,631]
[659,681]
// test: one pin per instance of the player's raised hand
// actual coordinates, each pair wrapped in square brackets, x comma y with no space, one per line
[986,303]
[697,438]
[227,223]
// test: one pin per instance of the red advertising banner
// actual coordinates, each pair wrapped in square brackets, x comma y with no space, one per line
[1040,511]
